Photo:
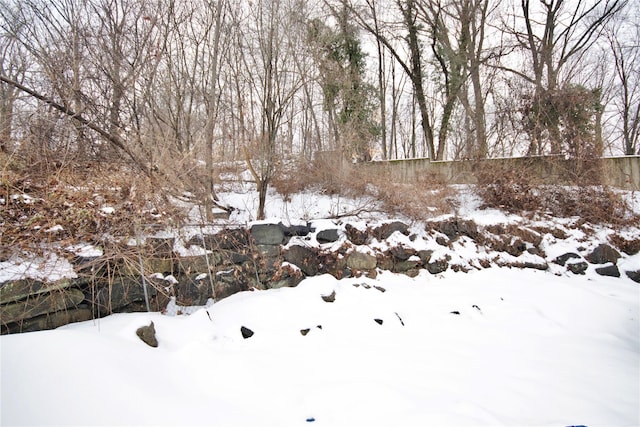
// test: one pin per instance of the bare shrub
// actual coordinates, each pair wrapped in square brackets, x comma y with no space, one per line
[514,190]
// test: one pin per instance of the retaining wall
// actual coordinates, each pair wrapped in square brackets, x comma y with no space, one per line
[619,172]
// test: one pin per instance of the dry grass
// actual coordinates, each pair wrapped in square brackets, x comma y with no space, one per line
[517,192]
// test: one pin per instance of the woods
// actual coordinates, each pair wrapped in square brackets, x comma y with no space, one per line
[176,87]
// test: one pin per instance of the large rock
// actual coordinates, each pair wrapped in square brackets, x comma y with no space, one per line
[634,275]
[303,258]
[195,289]
[562,259]
[356,236]
[579,267]
[609,270]
[603,254]
[229,282]
[438,266]
[39,304]
[453,228]
[386,230]
[118,293]
[148,335]
[267,234]
[361,261]
[21,289]
[327,236]
[234,239]
[49,320]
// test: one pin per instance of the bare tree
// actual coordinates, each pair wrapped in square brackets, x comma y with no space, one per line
[555,33]
[626,55]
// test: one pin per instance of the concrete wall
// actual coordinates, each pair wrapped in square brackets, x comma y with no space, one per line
[620,172]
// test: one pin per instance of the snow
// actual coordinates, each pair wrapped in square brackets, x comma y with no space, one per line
[50,268]
[527,348]
[492,347]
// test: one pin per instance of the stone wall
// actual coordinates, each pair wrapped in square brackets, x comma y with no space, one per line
[620,172]
[265,257]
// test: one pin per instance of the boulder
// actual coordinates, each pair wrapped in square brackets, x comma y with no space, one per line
[361,261]
[267,234]
[229,282]
[609,270]
[355,236]
[118,293]
[295,230]
[40,304]
[268,251]
[193,290]
[425,255]
[327,236]
[21,289]
[49,320]
[577,267]
[148,335]
[562,259]
[634,275]
[303,258]
[603,254]
[229,239]
[386,230]
[438,266]
[401,253]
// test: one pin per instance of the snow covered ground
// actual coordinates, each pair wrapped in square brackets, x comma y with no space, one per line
[492,347]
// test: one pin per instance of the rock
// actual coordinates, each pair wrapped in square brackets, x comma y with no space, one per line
[118,293]
[303,258]
[229,239]
[609,270]
[267,234]
[536,265]
[380,288]
[361,261]
[425,256]
[49,321]
[562,259]
[268,251]
[21,289]
[386,230]
[229,282]
[196,264]
[160,247]
[246,332]
[404,266]
[193,290]
[378,321]
[327,236]
[634,275]
[355,236]
[39,304]
[603,254]
[577,267]
[399,318]
[456,227]
[329,298]
[456,312]
[295,230]
[401,253]
[148,335]
[442,241]
[437,266]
